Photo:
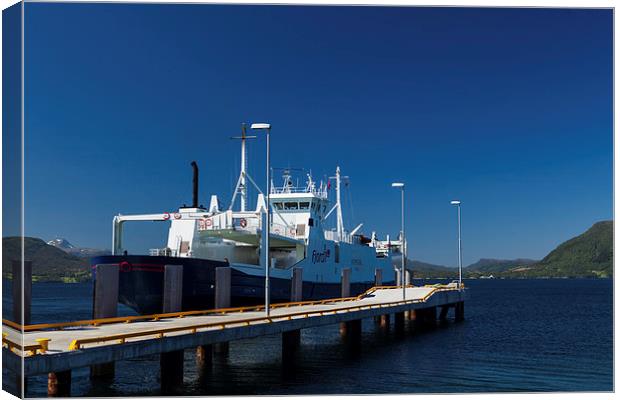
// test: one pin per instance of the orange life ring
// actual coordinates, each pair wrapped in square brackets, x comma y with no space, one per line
[166,216]
[208,222]
[243,223]
[177,216]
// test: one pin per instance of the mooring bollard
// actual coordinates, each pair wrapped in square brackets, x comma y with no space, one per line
[222,300]
[171,363]
[105,305]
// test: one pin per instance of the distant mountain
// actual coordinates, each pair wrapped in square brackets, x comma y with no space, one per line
[49,263]
[61,243]
[426,270]
[86,252]
[493,266]
[587,255]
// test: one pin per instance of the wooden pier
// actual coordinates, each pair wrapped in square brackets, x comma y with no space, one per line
[57,348]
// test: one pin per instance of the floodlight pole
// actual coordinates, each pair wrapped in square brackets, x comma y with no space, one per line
[266,228]
[457,203]
[402,234]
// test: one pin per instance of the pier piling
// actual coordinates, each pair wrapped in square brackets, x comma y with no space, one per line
[59,384]
[22,300]
[459,311]
[399,321]
[291,339]
[22,297]
[222,300]
[105,305]
[378,282]
[171,363]
[345,291]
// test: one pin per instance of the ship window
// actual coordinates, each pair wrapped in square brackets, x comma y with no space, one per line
[337,253]
[291,205]
[277,205]
[301,230]
[304,205]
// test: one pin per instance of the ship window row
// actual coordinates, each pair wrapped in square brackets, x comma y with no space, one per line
[294,205]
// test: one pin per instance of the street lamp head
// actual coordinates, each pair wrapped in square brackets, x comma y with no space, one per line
[260,126]
[455,202]
[398,185]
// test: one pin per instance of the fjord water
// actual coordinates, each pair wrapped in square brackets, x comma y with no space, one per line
[518,335]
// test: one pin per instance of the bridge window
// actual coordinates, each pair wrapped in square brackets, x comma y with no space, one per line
[278,205]
[304,205]
[291,205]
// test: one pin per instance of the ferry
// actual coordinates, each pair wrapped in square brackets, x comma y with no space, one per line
[300,236]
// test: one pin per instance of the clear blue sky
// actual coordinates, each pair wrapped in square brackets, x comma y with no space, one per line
[509,110]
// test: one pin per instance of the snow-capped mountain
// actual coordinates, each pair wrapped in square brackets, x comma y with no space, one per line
[61,244]
[65,245]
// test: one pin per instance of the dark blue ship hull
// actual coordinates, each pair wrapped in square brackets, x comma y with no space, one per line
[141,280]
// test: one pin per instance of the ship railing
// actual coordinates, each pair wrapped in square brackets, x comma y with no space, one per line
[298,189]
[165,251]
[333,236]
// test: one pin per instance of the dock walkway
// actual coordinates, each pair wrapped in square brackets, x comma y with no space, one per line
[65,346]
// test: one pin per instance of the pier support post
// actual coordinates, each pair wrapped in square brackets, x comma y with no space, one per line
[399,321]
[378,276]
[345,282]
[171,363]
[345,291]
[444,312]
[22,298]
[222,300]
[459,311]
[426,317]
[351,329]
[204,357]
[59,384]
[297,284]
[105,305]
[378,282]
[385,321]
[291,339]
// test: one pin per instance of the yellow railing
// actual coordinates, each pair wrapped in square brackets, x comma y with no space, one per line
[160,333]
[42,344]
[181,314]
[32,349]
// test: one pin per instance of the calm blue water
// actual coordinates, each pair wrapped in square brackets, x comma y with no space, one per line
[519,335]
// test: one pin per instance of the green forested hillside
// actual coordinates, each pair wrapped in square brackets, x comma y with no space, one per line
[48,262]
[587,255]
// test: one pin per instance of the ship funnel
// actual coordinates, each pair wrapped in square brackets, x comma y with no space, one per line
[195,183]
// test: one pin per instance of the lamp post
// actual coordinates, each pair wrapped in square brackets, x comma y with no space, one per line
[402,232]
[266,228]
[457,203]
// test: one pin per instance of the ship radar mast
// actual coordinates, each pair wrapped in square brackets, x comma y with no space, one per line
[242,187]
[338,206]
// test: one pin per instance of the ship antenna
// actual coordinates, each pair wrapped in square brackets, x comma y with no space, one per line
[195,185]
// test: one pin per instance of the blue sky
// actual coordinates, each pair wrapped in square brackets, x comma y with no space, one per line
[509,110]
